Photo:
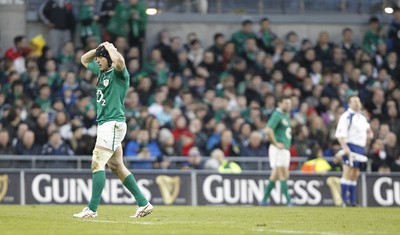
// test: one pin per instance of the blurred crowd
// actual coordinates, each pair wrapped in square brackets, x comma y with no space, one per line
[194,100]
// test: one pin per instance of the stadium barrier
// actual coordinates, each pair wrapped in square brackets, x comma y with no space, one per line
[84,162]
[63,186]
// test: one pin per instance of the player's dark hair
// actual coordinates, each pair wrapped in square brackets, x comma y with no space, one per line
[282,98]
[102,52]
[264,19]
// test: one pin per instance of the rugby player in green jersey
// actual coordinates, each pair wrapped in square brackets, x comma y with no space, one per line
[279,134]
[112,85]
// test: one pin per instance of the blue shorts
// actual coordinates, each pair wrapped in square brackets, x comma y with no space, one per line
[356,149]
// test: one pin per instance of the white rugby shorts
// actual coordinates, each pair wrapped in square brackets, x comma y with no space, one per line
[111,134]
[278,157]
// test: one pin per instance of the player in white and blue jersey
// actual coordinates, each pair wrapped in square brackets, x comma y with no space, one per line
[352,132]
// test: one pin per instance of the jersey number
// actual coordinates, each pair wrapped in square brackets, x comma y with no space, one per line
[288,133]
[100,96]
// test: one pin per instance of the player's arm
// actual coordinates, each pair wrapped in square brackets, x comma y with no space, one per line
[370,133]
[116,57]
[343,145]
[87,57]
[271,137]
[342,132]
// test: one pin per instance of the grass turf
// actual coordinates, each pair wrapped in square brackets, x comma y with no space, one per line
[221,220]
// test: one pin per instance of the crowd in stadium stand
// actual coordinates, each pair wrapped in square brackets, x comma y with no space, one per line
[189,99]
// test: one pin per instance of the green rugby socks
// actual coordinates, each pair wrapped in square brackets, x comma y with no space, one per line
[268,189]
[131,185]
[285,191]
[99,180]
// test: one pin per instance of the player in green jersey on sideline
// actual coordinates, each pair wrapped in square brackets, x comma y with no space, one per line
[279,134]
[112,85]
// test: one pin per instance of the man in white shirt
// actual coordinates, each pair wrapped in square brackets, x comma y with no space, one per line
[352,132]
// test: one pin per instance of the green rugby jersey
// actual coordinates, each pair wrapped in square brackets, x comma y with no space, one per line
[280,123]
[111,89]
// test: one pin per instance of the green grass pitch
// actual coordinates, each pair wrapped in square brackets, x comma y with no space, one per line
[187,220]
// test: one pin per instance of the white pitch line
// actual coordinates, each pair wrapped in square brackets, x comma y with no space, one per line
[118,222]
[297,232]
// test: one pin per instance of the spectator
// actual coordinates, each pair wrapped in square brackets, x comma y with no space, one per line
[324,48]
[27,145]
[256,146]
[394,32]
[239,38]
[347,43]
[373,36]
[5,143]
[266,36]
[223,165]
[217,47]
[58,16]
[143,148]
[228,145]
[318,164]
[138,24]
[18,53]
[195,54]
[381,161]
[107,10]
[56,146]
[194,161]
[88,22]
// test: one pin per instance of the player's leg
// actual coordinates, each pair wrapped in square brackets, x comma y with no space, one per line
[99,159]
[117,166]
[345,183]
[284,174]
[272,153]
[354,173]
[271,185]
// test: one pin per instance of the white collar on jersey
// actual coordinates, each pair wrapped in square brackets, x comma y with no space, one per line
[108,70]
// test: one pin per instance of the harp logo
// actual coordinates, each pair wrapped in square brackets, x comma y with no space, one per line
[169,187]
[3,186]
